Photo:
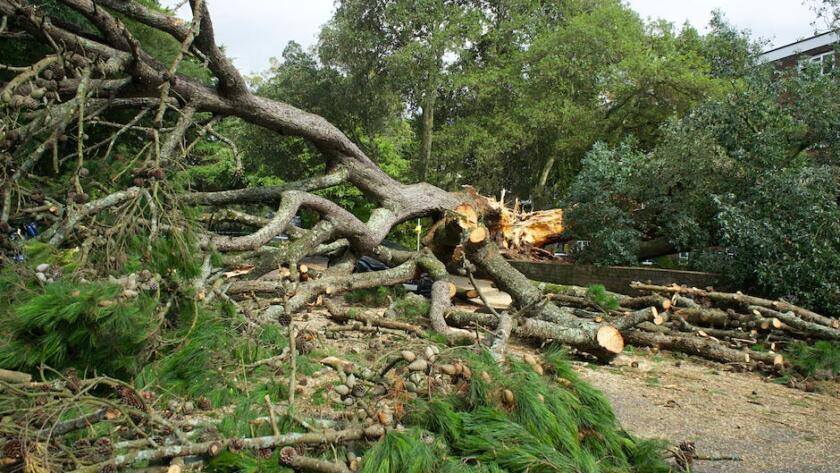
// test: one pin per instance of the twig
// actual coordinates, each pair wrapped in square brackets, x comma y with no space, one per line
[271,416]
[293,361]
[480,294]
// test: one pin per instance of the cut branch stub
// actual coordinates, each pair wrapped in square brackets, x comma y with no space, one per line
[610,338]
[467,215]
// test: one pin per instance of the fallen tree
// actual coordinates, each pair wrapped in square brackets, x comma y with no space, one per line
[97,73]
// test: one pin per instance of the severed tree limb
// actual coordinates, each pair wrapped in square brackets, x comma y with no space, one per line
[500,341]
[635,318]
[343,315]
[81,422]
[440,305]
[703,347]
[59,232]
[733,334]
[581,334]
[743,299]
[722,319]
[290,457]
[214,448]
[789,318]
[266,194]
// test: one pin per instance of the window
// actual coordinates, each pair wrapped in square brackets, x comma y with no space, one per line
[824,60]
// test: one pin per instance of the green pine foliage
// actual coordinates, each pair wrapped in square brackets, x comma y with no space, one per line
[412,451]
[563,425]
[83,325]
[597,293]
[207,359]
[411,308]
[375,296]
[820,359]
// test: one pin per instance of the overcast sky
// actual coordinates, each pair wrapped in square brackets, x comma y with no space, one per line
[255,30]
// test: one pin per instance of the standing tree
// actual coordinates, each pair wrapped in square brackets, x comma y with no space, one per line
[400,46]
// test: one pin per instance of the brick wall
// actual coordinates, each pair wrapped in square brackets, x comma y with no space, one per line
[614,278]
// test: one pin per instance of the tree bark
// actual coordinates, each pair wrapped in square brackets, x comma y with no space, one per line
[703,347]
[542,180]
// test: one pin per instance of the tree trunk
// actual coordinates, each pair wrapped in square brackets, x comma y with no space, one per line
[427,123]
[538,190]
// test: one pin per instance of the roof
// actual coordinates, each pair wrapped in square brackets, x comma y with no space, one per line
[792,49]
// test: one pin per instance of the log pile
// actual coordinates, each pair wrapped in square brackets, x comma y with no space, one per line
[733,328]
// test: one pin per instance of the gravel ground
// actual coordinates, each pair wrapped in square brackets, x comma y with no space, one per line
[772,428]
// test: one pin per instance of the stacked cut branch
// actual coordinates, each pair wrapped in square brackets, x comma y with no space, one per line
[731,328]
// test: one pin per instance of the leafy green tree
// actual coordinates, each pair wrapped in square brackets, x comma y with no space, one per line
[524,111]
[399,47]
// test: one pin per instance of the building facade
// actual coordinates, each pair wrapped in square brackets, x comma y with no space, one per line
[820,49]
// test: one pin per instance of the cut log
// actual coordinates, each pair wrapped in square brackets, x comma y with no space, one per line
[478,234]
[634,319]
[467,214]
[743,299]
[810,328]
[702,347]
[606,339]
[578,333]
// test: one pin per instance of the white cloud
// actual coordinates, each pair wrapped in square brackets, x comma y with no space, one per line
[255,30]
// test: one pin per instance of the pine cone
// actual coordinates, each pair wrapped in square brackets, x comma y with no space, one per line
[305,342]
[286,455]
[236,445]
[13,449]
[104,447]
[204,404]
[130,398]
[109,468]
[73,381]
